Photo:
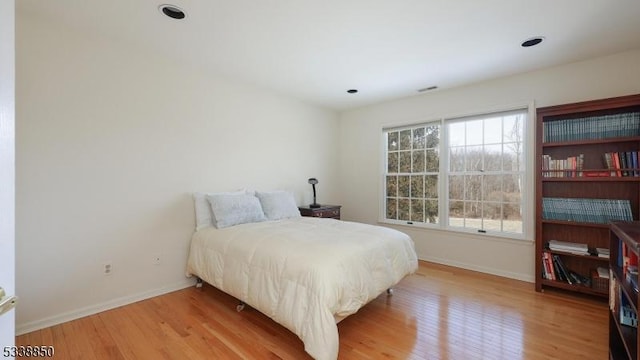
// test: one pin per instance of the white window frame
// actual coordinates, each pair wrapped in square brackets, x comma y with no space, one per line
[527,194]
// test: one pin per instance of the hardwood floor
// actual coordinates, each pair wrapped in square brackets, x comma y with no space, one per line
[438,313]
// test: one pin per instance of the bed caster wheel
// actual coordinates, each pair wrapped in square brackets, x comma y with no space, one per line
[240,307]
[389,291]
[198,283]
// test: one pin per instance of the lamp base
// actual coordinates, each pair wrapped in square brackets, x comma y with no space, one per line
[315,206]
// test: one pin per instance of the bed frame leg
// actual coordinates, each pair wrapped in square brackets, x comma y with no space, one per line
[198,283]
[240,306]
[389,291]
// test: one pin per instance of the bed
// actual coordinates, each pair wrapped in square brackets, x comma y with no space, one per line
[305,273]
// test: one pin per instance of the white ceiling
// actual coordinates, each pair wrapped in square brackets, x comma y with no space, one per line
[315,50]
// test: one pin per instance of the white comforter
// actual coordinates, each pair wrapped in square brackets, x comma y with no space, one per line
[305,273]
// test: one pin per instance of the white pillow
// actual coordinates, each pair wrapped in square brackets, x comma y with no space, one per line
[278,204]
[204,217]
[229,210]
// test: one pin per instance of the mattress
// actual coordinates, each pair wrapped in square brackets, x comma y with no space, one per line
[305,273]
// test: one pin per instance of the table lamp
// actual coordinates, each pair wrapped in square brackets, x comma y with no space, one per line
[313,182]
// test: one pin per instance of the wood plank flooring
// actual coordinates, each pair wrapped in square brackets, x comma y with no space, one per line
[438,313]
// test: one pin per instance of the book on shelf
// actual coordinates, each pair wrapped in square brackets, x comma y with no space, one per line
[566,275]
[579,279]
[627,259]
[603,272]
[614,288]
[586,210]
[628,316]
[632,278]
[553,268]
[592,127]
[602,252]
[622,163]
[548,272]
[569,167]
[569,247]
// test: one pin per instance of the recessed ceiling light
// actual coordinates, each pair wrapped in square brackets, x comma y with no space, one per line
[427,88]
[352,91]
[172,11]
[532,41]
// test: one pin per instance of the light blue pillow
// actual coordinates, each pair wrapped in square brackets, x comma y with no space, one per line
[278,204]
[234,209]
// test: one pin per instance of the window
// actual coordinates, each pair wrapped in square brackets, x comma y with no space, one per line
[477,183]
[413,162]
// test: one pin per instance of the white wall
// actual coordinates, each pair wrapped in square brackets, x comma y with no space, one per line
[112,141]
[7,165]
[360,149]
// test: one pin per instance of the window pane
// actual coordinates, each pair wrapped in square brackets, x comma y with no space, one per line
[392,186]
[405,140]
[456,159]
[473,210]
[405,161]
[392,162]
[392,208]
[456,213]
[493,130]
[491,211]
[433,160]
[513,128]
[512,185]
[392,141]
[431,186]
[493,157]
[403,209]
[492,224]
[473,132]
[472,187]
[417,186]
[456,187]
[513,211]
[417,210]
[512,218]
[419,161]
[492,188]
[433,136]
[431,211]
[419,139]
[403,186]
[473,158]
[513,157]
[456,134]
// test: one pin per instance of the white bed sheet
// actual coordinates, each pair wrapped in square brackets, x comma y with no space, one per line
[304,273]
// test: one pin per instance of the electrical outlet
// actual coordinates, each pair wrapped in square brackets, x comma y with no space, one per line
[156,259]
[107,268]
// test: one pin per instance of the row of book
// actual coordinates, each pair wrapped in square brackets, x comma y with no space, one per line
[628,261]
[554,269]
[622,163]
[569,167]
[619,304]
[592,127]
[600,211]
[569,247]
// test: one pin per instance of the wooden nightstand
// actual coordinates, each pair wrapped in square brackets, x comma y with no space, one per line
[324,211]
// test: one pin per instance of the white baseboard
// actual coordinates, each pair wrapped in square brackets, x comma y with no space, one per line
[482,269]
[97,308]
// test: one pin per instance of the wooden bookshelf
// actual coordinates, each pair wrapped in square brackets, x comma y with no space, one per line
[623,338]
[582,133]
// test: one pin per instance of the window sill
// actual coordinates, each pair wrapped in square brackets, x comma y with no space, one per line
[459,231]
